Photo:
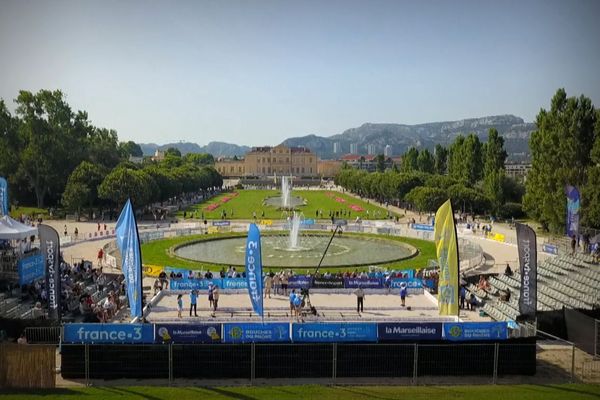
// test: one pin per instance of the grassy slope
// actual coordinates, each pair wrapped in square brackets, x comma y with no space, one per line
[249,201]
[156,253]
[487,392]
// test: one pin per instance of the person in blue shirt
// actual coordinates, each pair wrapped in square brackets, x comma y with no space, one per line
[403,292]
[193,299]
[298,307]
[463,295]
[292,298]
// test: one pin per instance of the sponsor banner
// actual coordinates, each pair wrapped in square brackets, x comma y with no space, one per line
[307,222]
[422,227]
[3,196]
[152,270]
[409,331]
[527,247]
[447,256]
[187,333]
[550,249]
[31,269]
[253,264]
[233,283]
[108,333]
[464,331]
[221,223]
[149,236]
[328,283]
[572,211]
[50,249]
[411,283]
[131,259]
[183,232]
[340,222]
[299,282]
[191,284]
[334,332]
[256,332]
[365,283]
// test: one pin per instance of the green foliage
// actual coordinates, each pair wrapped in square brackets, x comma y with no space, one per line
[511,210]
[172,151]
[199,159]
[380,158]
[425,162]
[409,160]
[130,148]
[465,159]
[123,183]
[467,199]
[493,169]
[561,149]
[82,186]
[440,159]
[426,198]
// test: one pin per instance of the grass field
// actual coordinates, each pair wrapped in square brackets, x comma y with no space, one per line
[247,202]
[483,392]
[157,253]
[16,212]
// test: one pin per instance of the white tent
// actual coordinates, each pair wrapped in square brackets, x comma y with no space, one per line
[11,229]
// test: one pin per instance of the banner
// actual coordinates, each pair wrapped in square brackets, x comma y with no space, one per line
[464,331]
[299,282]
[31,269]
[409,331]
[3,196]
[254,269]
[129,245]
[572,211]
[550,249]
[108,333]
[447,257]
[50,249]
[411,283]
[422,227]
[334,332]
[526,243]
[221,223]
[256,332]
[187,333]
[365,283]
[202,284]
[328,283]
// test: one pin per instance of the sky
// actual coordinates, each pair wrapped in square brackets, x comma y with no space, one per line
[256,72]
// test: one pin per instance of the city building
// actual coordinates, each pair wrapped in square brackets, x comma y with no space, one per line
[158,155]
[328,168]
[337,148]
[371,149]
[367,163]
[517,170]
[270,161]
[387,151]
[353,148]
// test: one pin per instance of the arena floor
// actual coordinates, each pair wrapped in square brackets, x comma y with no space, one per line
[338,307]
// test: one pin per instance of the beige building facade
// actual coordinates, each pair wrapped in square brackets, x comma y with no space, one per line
[269,161]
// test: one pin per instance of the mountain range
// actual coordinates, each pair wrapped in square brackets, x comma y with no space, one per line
[376,136]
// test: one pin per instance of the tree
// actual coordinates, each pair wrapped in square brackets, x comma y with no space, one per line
[9,142]
[130,148]
[409,160]
[103,148]
[380,158]
[199,159]
[82,186]
[427,199]
[440,159]
[465,159]
[561,155]
[493,169]
[173,151]
[425,162]
[123,183]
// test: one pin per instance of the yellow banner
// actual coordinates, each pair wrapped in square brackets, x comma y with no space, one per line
[152,270]
[447,256]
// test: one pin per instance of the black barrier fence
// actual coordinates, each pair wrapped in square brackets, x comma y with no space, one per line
[582,330]
[292,361]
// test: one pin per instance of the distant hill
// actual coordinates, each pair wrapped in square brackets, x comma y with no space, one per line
[515,131]
[217,149]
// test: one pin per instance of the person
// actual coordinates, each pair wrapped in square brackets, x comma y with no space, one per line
[215,299]
[573,244]
[360,297]
[22,339]
[403,292]
[156,286]
[268,285]
[65,230]
[193,299]
[211,288]
[463,295]
[472,302]
[76,233]
[284,283]
[179,305]
[292,298]
[277,282]
[100,256]
[298,307]
[508,270]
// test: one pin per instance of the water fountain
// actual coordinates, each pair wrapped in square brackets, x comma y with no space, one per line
[286,192]
[294,238]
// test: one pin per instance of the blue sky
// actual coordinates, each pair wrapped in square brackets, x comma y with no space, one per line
[256,72]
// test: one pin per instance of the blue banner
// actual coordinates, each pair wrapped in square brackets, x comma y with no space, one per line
[233,283]
[550,249]
[334,332]
[3,196]
[187,333]
[307,222]
[422,227]
[108,333]
[221,223]
[572,211]
[410,283]
[465,331]
[202,284]
[365,283]
[31,269]
[409,331]
[254,269]
[129,245]
[256,332]
[299,282]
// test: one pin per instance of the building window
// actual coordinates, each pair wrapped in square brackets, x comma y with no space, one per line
[302,169]
[310,160]
[311,170]
[287,159]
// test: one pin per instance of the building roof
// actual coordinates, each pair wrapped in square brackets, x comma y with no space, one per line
[357,157]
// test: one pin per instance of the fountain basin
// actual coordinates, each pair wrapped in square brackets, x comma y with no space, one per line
[276,201]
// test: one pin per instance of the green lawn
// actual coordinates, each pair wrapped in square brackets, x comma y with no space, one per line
[483,392]
[157,253]
[247,202]
[16,212]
